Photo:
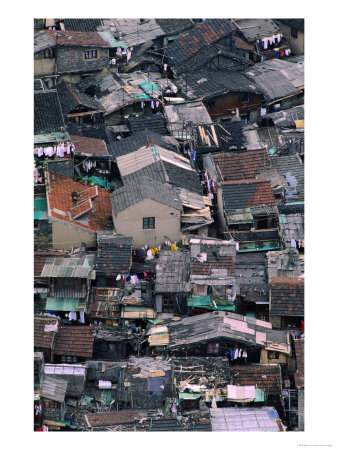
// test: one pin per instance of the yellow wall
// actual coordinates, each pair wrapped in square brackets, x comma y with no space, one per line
[275,321]
[66,236]
[296,45]
[43,66]
[283,358]
[129,223]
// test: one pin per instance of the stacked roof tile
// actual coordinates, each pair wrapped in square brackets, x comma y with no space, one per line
[74,340]
[242,165]
[113,255]
[45,328]
[78,38]
[287,296]
[48,116]
[263,376]
[247,193]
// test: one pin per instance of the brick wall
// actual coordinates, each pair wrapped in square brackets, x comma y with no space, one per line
[72,58]
[43,238]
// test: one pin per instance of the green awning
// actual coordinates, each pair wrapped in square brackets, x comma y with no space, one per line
[61,304]
[56,136]
[100,181]
[259,395]
[188,395]
[40,208]
[199,301]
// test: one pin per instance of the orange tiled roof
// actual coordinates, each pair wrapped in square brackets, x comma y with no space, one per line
[242,44]
[60,203]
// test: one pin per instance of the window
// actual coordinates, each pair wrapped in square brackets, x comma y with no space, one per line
[103,347]
[68,359]
[211,105]
[36,224]
[244,97]
[48,53]
[168,303]
[294,33]
[148,223]
[213,347]
[112,347]
[273,355]
[90,54]
[291,322]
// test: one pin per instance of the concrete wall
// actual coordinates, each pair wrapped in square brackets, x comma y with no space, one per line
[283,358]
[296,44]
[73,59]
[66,236]
[43,66]
[43,235]
[129,223]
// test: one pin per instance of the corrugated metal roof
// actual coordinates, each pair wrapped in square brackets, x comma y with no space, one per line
[245,419]
[54,389]
[69,267]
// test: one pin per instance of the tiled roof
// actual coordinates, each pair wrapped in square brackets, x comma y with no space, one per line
[299,374]
[209,83]
[277,78]
[40,259]
[292,165]
[82,24]
[47,112]
[136,141]
[287,296]
[172,272]
[212,30]
[74,340]
[42,41]
[174,25]
[208,53]
[247,193]
[242,165]
[239,43]
[263,376]
[165,172]
[111,418]
[254,29]
[42,338]
[77,38]
[99,131]
[154,123]
[188,179]
[60,203]
[71,98]
[144,188]
[255,292]
[217,258]
[257,235]
[114,255]
[90,146]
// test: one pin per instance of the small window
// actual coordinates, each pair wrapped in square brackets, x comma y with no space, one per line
[112,347]
[148,223]
[213,347]
[90,54]
[294,33]
[103,347]
[211,105]
[244,97]
[36,224]
[48,53]
[273,355]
